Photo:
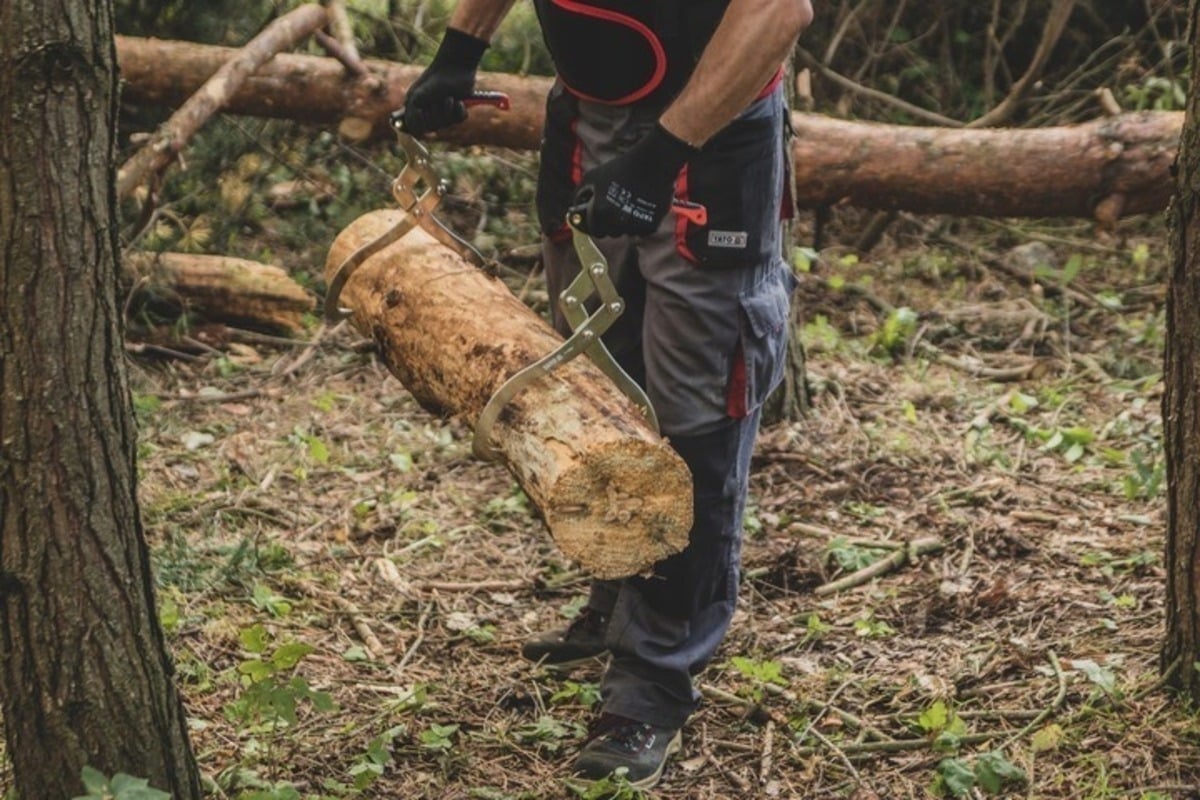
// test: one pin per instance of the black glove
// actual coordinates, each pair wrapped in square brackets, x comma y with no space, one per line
[434,101]
[630,194]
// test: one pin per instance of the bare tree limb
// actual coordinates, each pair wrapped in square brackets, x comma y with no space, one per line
[158,153]
[1055,25]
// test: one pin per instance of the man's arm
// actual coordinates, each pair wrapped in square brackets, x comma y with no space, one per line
[752,40]
[479,18]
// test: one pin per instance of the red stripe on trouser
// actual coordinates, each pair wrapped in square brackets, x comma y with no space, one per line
[735,390]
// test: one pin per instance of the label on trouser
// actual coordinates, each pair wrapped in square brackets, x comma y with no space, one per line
[692,329]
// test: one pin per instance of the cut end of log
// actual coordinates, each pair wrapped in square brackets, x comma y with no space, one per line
[628,506]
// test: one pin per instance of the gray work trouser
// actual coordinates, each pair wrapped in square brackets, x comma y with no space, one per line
[705,333]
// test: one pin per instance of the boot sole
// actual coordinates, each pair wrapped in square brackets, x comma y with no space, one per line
[651,780]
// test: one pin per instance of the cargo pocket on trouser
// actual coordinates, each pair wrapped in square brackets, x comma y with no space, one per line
[561,167]
[738,178]
[757,366]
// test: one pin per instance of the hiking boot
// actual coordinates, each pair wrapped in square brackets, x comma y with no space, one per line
[616,742]
[575,645]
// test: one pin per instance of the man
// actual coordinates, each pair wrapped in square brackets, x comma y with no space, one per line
[656,102]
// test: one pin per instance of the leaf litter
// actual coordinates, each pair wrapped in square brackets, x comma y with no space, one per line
[321,507]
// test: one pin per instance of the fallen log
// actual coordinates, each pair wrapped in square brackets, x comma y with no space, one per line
[234,291]
[1105,169]
[614,495]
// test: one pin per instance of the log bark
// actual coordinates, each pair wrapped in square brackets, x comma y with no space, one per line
[614,495]
[1105,169]
[235,291]
[161,150]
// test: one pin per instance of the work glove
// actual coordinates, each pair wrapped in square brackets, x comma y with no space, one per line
[630,194]
[435,100]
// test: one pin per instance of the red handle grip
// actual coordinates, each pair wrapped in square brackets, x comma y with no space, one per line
[497,100]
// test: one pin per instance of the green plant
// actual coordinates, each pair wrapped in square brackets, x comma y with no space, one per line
[271,692]
[852,557]
[438,738]
[371,765]
[897,331]
[990,773]
[870,628]
[585,694]
[119,787]
[1149,473]
[942,723]
[547,733]
[761,674]
[613,787]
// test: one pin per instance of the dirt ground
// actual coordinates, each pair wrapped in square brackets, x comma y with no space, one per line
[315,532]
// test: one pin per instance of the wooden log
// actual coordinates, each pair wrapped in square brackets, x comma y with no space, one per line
[318,90]
[1105,169]
[221,289]
[614,495]
[162,148]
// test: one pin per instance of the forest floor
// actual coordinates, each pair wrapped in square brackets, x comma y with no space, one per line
[345,588]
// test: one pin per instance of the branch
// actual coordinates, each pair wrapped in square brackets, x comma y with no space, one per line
[1055,25]
[161,150]
[913,551]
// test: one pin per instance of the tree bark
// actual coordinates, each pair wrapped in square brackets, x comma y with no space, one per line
[84,675]
[1181,403]
[1105,169]
[222,289]
[615,497]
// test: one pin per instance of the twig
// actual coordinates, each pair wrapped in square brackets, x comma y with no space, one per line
[1048,710]
[473,586]
[343,37]
[412,648]
[976,370]
[911,552]
[837,751]
[764,764]
[283,370]
[1055,25]
[809,60]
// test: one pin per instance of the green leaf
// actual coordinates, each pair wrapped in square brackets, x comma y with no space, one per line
[934,718]
[1101,676]
[993,771]
[254,639]
[957,776]
[1048,738]
[127,787]
[288,655]
[94,780]
[256,670]
[355,653]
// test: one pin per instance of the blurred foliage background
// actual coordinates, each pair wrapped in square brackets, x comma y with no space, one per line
[277,191]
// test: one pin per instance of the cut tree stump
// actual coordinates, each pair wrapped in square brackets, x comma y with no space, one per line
[1104,169]
[614,495]
[222,289]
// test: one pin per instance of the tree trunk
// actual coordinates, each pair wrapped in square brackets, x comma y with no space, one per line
[84,675]
[615,497]
[1181,402]
[222,289]
[1105,169]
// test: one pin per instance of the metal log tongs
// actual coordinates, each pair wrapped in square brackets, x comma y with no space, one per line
[587,327]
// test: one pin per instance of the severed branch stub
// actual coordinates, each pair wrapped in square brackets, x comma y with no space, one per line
[910,552]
